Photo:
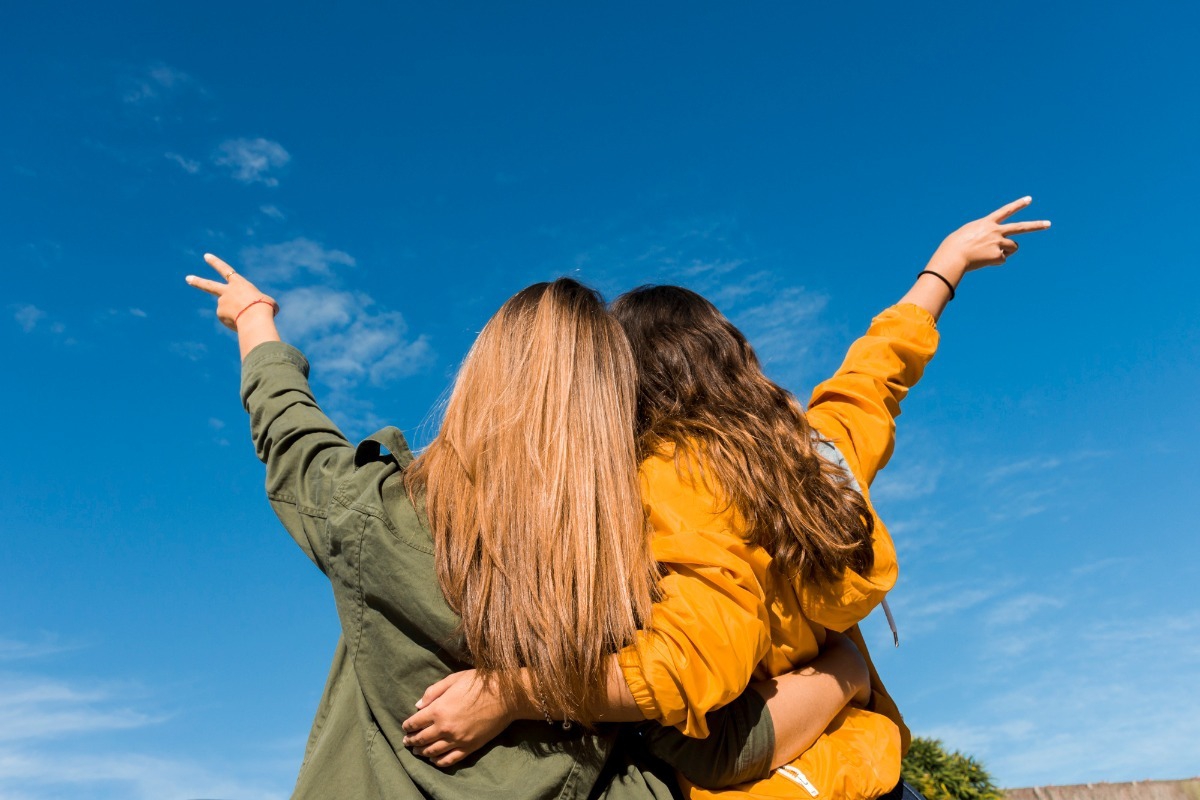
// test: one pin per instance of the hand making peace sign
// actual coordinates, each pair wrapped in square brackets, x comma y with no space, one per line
[984,242]
[236,297]
[240,305]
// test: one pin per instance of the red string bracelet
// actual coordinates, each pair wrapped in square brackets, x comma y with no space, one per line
[274,308]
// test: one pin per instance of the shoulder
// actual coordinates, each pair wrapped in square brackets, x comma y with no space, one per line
[375,488]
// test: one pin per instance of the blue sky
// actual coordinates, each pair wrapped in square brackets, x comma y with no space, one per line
[393,173]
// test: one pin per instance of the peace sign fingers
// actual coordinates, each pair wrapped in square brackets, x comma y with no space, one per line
[234,297]
[1004,212]
[1013,228]
[223,269]
[215,288]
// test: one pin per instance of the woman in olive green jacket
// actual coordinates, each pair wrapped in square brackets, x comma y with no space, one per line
[535,463]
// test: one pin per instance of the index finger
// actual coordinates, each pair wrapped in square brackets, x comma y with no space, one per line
[1004,212]
[214,288]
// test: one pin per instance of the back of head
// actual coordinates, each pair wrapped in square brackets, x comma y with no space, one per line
[701,388]
[531,493]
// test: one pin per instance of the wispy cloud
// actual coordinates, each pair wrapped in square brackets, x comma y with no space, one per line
[1103,701]
[59,738]
[252,160]
[348,340]
[40,708]
[271,211]
[18,650]
[288,261]
[188,165]
[1019,609]
[911,480]
[781,319]
[155,83]
[784,328]
[192,351]
[923,609]
[28,316]
[104,774]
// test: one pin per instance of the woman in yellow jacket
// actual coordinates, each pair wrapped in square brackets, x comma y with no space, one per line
[762,521]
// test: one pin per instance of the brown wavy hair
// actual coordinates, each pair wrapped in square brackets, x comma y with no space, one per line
[701,388]
[531,492]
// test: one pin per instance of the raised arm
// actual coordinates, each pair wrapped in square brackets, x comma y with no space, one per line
[304,451]
[857,407]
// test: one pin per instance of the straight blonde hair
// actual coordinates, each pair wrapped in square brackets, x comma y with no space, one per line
[531,492]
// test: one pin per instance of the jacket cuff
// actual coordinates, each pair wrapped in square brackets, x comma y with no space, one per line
[639,687]
[275,353]
[912,312]
[264,356]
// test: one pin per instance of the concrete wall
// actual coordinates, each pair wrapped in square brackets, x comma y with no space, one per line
[1140,790]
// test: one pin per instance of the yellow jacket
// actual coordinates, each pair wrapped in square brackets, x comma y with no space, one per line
[727,617]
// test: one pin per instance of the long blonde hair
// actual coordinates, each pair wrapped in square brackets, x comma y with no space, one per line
[531,492]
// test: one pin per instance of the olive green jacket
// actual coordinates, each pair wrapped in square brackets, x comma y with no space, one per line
[347,509]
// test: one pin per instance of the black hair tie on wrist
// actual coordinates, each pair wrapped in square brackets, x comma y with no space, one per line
[940,277]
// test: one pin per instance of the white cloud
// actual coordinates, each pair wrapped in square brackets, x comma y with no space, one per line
[60,738]
[709,256]
[286,261]
[16,650]
[56,739]
[27,317]
[271,211]
[347,340]
[188,165]
[923,609]
[782,328]
[42,708]
[192,351]
[105,775]
[137,312]
[1107,702]
[906,482]
[157,82]
[1019,609]
[250,160]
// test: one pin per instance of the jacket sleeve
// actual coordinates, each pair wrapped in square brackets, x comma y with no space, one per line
[710,628]
[858,406]
[305,453]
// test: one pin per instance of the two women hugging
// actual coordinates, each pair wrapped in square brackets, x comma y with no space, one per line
[629,564]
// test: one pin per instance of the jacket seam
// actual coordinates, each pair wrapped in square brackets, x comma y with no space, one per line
[370,511]
[308,511]
[360,592]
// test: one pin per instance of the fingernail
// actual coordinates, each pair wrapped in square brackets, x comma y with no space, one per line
[207,256]
[190,278]
[420,704]
[1028,199]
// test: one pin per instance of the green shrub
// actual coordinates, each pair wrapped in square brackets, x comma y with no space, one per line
[946,776]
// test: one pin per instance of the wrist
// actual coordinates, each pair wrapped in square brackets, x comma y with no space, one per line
[263,308]
[950,267]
